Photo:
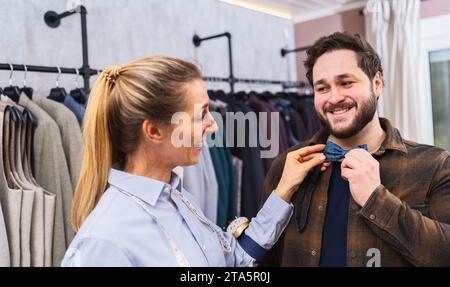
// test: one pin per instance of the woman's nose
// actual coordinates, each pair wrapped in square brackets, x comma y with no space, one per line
[211,126]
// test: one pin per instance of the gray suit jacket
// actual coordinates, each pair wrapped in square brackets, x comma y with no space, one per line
[43,220]
[70,130]
[52,173]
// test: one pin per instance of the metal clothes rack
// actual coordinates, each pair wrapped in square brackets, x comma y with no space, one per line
[53,20]
[232,80]
[284,52]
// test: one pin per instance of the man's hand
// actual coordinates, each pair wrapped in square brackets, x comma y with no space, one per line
[362,172]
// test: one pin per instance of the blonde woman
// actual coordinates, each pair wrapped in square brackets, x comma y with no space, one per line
[129,208]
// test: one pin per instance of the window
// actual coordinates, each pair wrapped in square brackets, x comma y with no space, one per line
[440,96]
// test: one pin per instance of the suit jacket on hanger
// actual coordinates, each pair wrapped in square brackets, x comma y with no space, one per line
[72,139]
[10,197]
[5,259]
[52,173]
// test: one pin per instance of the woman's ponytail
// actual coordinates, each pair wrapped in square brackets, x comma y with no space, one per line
[97,149]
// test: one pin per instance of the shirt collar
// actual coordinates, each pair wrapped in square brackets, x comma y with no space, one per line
[142,187]
[393,140]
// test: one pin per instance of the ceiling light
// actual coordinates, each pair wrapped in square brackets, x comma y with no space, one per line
[267,9]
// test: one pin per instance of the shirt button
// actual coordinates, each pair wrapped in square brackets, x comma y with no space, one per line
[353,254]
[320,207]
[313,252]
[354,206]
[204,247]
[372,217]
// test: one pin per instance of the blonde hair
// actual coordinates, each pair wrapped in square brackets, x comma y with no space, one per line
[121,99]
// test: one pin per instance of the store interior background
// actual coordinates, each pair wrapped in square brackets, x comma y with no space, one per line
[120,31]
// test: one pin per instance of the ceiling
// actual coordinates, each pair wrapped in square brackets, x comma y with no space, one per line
[299,10]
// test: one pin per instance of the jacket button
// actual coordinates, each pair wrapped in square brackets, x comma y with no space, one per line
[353,254]
[313,252]
[354,206]
[320,207]
[372,217]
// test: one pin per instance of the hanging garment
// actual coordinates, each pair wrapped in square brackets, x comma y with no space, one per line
[11,148]
[223,168]
[77,108]
[284,142]
[5,259]
[298,126]
[284,106]
[10,197]
[305,107]
[259,106]
[43,208]
[253,167]
[200,180]
[52,174]
[69,128]
[237,167]
[37,217]
[41,223]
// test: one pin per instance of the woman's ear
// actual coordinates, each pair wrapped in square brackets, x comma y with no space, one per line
[152,133]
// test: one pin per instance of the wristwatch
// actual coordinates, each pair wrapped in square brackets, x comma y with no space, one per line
[237,226]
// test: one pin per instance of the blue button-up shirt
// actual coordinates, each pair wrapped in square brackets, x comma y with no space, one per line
[118,232]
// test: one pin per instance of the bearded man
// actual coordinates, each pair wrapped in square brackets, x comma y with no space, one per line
[380,200]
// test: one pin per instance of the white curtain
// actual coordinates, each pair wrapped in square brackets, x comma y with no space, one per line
[392,28]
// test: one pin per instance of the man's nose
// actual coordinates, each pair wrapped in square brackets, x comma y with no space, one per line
[336,96]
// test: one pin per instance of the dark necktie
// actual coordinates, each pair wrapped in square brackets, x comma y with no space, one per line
[335,153]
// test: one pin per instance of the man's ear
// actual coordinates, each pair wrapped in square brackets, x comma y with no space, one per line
[378,83]
[152,133]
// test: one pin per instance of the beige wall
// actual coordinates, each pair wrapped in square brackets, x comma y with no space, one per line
[431,8]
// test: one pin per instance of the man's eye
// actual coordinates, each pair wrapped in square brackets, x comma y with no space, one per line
[346,84]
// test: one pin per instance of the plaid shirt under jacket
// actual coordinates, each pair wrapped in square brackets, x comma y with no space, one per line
[407,217]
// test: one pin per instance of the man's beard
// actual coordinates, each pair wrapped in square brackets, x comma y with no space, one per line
[366,112]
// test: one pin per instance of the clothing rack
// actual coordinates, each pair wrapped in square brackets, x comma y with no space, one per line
[284,52]
[232,80]
[53,20]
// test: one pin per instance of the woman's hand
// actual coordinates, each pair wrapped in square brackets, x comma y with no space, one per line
[298,164]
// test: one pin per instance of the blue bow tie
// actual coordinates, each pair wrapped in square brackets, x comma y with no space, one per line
[333,152]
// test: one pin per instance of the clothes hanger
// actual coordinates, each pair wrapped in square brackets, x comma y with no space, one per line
[12,92]
[78,94]
[13,113]
[58,93]
[28,91]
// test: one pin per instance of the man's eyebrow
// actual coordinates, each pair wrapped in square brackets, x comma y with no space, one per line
[319,82]
[344,76]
